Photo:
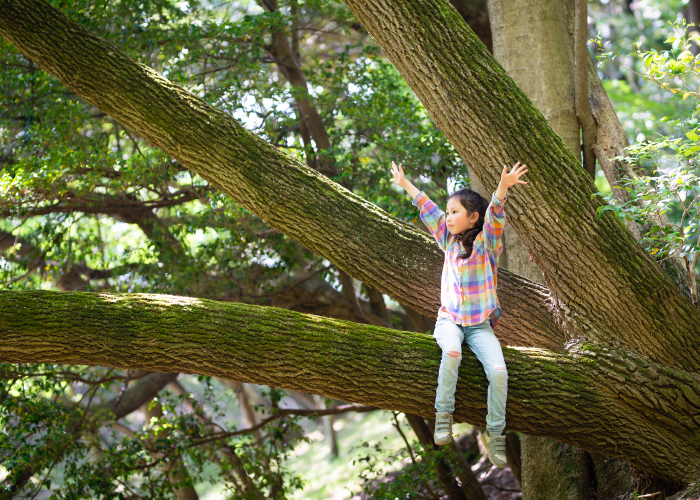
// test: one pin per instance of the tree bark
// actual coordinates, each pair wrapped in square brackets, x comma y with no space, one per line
[601,399]
[542,51]
[570,473]
[301,203]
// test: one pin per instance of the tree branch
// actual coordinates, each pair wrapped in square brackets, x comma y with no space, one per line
[599,398]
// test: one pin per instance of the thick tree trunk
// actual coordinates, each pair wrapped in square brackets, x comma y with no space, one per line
[539,45]
[601,399]
[363,240]
[540,52]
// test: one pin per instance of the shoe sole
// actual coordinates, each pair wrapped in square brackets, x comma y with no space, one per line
[487,448]
[442,444]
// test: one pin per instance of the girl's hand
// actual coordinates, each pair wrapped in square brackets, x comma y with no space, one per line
[399,177]
[512,178]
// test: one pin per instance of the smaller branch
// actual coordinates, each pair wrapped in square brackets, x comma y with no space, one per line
[135,143]
[486,483]
[290,287]
[70,376]
[286,413]
[403,436]
[123,429]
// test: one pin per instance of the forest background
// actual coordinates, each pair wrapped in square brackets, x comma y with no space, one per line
[89,204]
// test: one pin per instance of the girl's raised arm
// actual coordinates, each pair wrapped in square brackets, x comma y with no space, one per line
[430,213]
[494,219]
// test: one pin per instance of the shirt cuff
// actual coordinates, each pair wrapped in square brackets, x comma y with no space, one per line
[496,201]
[420,198]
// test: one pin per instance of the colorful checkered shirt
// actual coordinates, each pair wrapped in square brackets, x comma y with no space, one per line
[468,288]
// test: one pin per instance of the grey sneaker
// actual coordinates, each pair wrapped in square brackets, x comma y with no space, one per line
[443,428]
[496,446]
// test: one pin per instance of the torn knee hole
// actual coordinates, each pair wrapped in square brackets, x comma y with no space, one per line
[454,354]
[500,368]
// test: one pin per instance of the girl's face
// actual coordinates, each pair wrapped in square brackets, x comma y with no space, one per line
[457,218]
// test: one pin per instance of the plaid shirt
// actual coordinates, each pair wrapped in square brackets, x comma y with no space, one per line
[468,288]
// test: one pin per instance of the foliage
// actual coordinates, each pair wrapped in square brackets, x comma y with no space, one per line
[666,199]
[53,424]
[620,25]
[416,479]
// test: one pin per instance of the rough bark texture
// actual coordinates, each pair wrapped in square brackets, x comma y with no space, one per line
[606,288]
[535,50]
[366,242]
[476,15]
[601,399]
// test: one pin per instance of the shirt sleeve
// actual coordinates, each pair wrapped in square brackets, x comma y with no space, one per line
[433,218]
[494,221]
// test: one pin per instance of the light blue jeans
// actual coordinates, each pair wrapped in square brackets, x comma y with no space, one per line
[485,346]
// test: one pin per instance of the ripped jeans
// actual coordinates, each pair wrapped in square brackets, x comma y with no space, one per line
[484,344]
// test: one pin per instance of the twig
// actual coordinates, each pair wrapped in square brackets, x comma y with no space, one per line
[285,413]
[290,286]
[486,483]
[649,495]
[403,436]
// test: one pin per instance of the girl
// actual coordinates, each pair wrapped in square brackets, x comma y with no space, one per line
[470,235]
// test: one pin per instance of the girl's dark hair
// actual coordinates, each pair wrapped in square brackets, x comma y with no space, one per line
[472,202]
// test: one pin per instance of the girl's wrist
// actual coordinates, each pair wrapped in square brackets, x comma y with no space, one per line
[501,191]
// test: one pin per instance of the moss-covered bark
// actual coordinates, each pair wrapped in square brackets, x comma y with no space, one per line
[606,288]
[600,399]
[360,238]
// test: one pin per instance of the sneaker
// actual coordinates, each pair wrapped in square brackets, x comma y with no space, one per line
[496,446]
[443,428]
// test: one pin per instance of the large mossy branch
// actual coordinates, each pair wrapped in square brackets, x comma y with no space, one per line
[358,237]
[606,287]
[598,398]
